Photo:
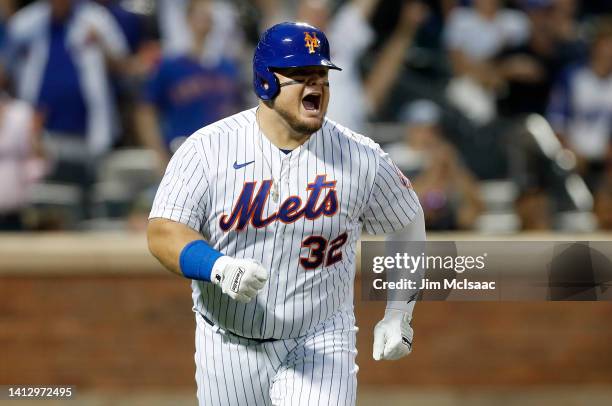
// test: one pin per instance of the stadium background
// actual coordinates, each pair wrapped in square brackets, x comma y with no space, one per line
[492,111]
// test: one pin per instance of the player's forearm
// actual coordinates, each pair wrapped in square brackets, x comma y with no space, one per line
[184,252]
[413,237]
[166,241]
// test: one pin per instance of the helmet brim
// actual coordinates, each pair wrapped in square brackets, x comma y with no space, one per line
[292,61]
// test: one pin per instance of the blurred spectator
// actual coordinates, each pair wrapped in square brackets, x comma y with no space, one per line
[596,7]
[430,36]
[185,94]
[448,193]
[143,55]
[389,62]
[350,34]
[530,69]
[473,37]
[564,18]
[59,51]
[7,9]
[131,24]
[446,189]
[534,209]
[21,162]
[138,216]
[603,201]
[224,41]
[421,119]
[580,108]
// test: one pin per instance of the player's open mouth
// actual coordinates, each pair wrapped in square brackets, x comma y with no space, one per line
[312,101]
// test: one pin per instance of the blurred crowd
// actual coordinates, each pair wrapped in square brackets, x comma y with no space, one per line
[499,111]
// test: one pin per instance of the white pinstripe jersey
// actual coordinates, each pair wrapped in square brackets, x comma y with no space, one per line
[221,183]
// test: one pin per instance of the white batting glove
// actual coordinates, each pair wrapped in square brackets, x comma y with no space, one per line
[240,279]
[393,336]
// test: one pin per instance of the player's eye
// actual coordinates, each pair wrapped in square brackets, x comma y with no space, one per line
[299,76]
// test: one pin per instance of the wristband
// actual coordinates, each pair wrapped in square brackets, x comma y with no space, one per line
[197,260]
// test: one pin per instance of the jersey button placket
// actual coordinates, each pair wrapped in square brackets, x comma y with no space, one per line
[284,178]
[274,193]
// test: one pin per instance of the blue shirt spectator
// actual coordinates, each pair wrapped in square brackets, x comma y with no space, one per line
[189,95]
[225,38]
[58,53]
[188,91]
[131,24]
[7,9]
[60,86]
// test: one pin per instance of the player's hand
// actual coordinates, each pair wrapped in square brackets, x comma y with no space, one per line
[240,279]
[393,336]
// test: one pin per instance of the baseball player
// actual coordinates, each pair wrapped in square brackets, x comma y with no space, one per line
[262,211]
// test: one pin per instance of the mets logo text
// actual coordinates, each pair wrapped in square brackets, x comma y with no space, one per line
[311,41]
[249,208]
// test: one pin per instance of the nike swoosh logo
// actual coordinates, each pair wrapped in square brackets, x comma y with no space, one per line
[238,166]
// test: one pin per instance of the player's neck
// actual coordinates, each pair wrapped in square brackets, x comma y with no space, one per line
[277,130]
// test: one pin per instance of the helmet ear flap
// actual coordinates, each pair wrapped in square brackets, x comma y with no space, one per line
[266,84]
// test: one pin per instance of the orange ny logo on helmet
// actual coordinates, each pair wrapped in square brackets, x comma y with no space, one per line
[311,41]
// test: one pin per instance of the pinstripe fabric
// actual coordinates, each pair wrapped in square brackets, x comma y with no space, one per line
[358,187]
[316,369]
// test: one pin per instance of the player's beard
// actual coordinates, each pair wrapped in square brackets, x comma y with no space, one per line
[298,125]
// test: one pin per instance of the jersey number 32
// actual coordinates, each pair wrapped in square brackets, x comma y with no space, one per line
[322,251]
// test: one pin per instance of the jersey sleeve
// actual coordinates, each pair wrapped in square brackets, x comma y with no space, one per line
[182,193]
[392,204]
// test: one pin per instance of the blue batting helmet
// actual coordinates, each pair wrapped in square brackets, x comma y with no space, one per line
[287,45]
